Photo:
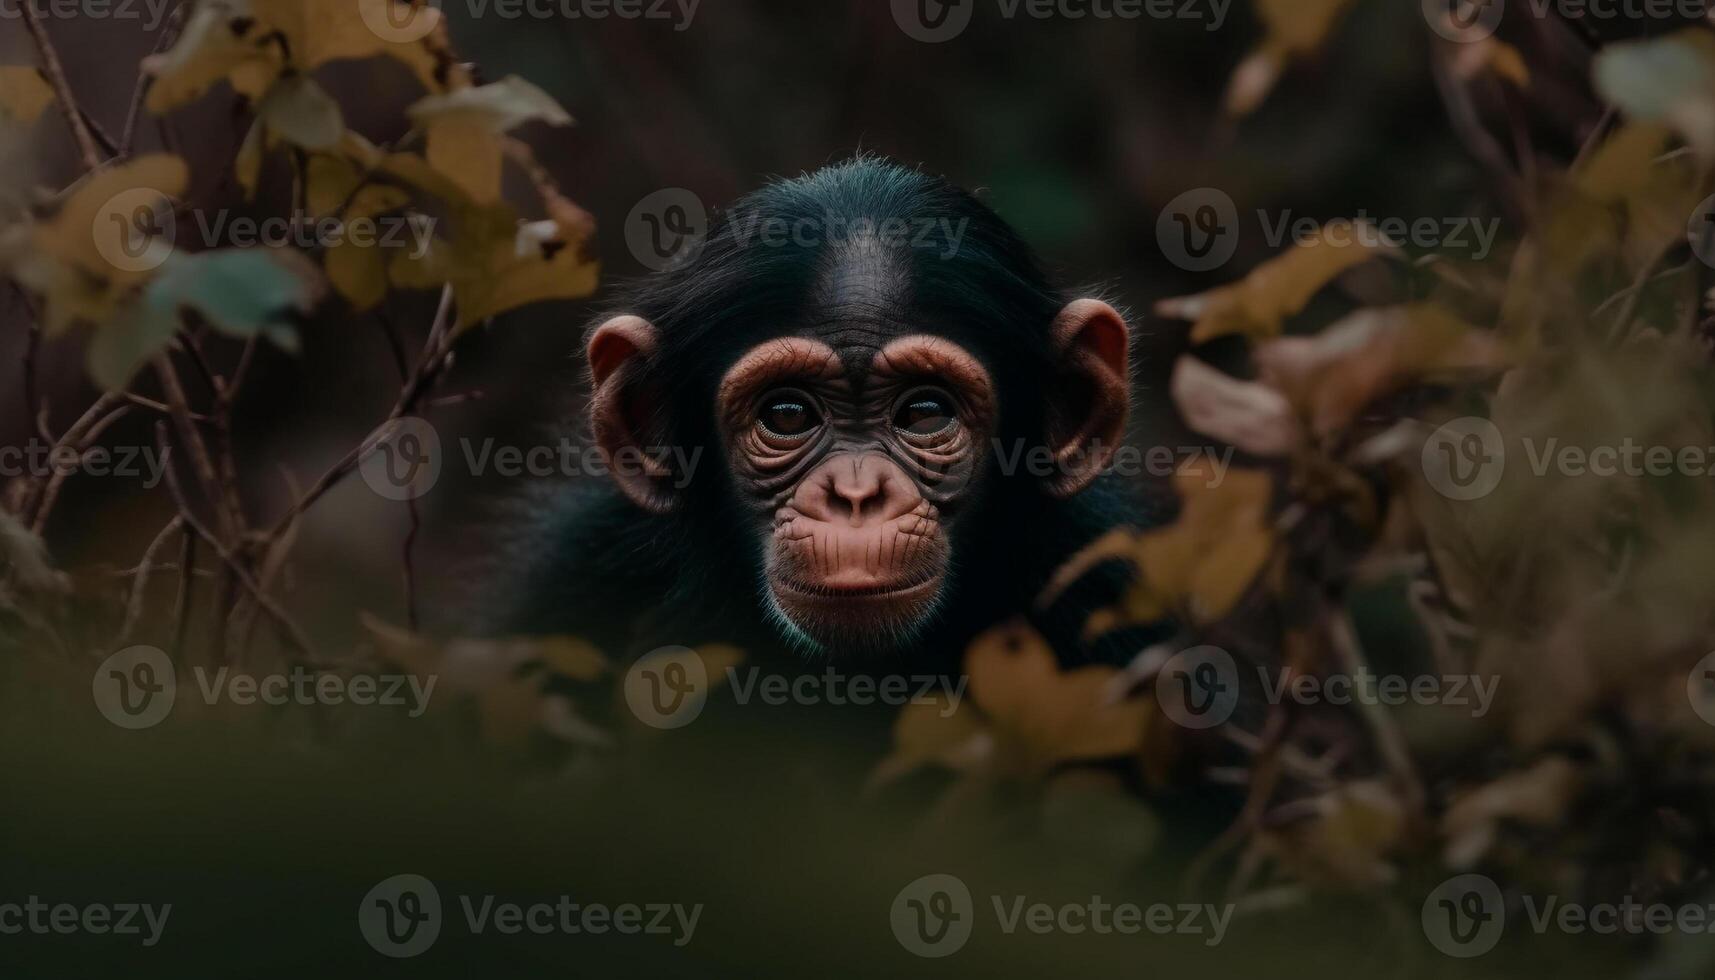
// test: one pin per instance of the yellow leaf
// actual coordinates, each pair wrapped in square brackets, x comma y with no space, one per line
[1043,717]
[98,229]
[1294,28]
[464,129]
[23,93]
[496,264]
[469,154]
[247,44]
[1258,305]
[217,41]
[1201,564]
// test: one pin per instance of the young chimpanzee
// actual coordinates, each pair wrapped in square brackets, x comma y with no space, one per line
[889,428]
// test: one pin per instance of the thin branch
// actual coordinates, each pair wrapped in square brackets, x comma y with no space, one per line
[422,379]
[169,33]
[140,584]
[56,75]
[287,627]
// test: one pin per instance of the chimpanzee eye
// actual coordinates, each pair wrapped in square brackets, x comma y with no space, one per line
[788,415]
[925,413]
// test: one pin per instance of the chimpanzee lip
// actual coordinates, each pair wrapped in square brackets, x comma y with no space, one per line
[888,591]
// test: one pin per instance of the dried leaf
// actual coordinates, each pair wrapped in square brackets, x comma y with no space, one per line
[1250,416]
[1258,305]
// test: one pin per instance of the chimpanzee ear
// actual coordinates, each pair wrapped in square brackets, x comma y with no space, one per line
[1089,393]
[622,407]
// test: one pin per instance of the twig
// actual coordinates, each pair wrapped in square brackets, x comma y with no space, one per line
[56,75]
[169,33]
[288,629]
[410,564]
[1389,741]
[179,409]
[108,409]
[427,372]
[187,585]
[140,584]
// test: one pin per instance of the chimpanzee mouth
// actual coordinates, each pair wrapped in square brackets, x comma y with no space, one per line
[893,590]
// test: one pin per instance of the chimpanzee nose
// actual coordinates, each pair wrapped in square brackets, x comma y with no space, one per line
[857,490]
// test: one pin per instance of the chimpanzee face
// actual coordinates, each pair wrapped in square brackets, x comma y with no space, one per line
[853,464]
[855,454]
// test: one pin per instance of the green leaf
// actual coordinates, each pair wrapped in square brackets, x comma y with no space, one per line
[240,292]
